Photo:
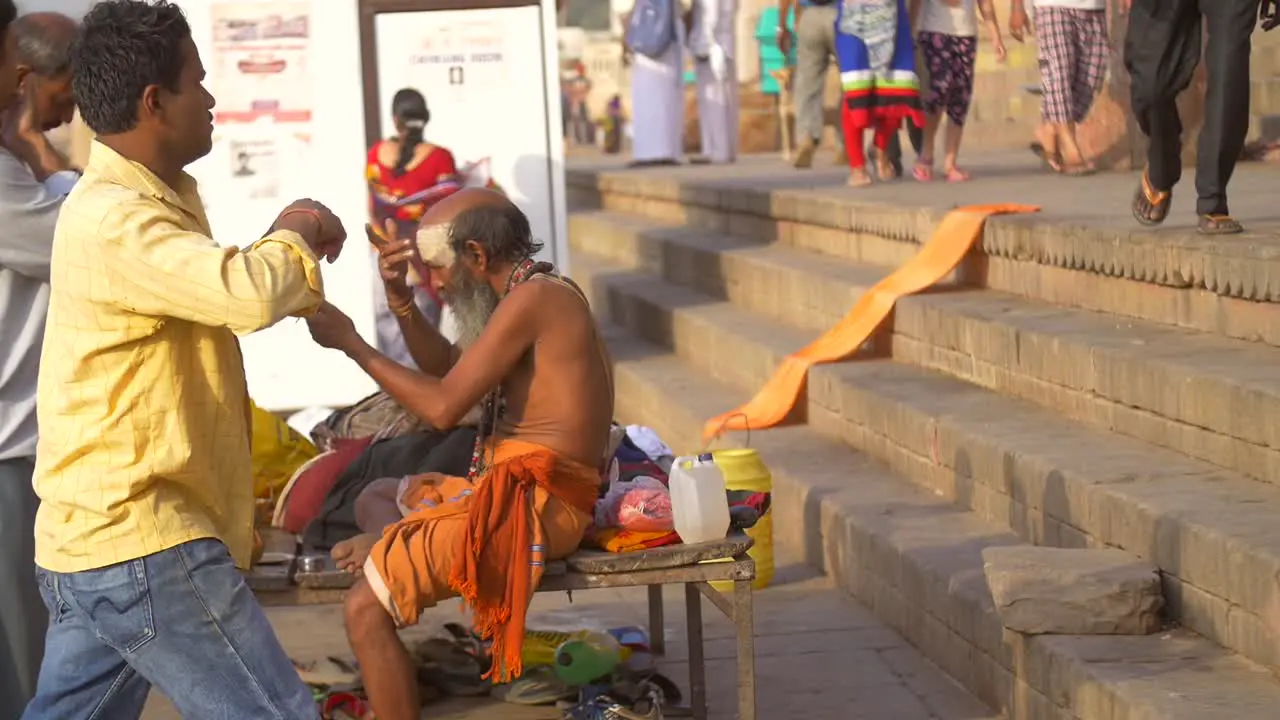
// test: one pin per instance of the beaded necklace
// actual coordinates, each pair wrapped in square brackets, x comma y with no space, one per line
[494,405]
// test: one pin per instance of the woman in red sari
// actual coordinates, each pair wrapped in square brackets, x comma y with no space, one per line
[406,175]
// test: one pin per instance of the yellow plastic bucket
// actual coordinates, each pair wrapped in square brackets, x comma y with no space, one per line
[744,470]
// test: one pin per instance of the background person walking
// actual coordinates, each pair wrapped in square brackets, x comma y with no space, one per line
[1161,51]
[1073,55]
[948,40]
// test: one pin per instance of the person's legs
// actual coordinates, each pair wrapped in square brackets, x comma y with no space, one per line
[23,617]
[1089,36]
[185,620]
[814,40]
[963,53]
[82,677]
[1056,56]
[390,679]
[933,98]
[1226,107]
[1161,49]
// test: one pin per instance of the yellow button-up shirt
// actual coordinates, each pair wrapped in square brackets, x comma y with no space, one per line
[142,403]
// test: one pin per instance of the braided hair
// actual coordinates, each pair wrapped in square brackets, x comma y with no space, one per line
[409,108]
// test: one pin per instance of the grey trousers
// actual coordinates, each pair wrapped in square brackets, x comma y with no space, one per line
[23,617]
[815,48]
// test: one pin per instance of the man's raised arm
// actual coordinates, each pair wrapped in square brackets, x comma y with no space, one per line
[157,268]
[443,402]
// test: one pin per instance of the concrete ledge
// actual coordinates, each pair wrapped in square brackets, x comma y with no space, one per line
[915,560]
[1207,396]
[1051,481]
[1246,267]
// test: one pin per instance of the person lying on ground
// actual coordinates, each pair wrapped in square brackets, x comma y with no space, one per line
[535,357]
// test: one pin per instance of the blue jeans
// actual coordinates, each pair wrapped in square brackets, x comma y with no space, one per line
[182,619]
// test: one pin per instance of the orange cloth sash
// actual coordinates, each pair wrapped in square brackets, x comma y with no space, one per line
[958,232]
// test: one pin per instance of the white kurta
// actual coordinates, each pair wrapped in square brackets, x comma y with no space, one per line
[712,42]
[657,102]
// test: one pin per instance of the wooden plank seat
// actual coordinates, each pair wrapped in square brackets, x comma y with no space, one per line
[593,569]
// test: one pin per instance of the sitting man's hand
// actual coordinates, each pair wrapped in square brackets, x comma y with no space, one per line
[331,328]
[317,224]
[394,254]
[1269,14]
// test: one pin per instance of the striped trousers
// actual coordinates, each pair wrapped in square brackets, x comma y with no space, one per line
[1073,61]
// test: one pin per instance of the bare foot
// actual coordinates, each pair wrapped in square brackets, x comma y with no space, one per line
[349,555]
[885,168]
[859,178]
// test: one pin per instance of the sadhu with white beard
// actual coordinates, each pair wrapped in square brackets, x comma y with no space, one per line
[530,352]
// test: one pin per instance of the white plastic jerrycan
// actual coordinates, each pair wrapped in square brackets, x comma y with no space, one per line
[699,506]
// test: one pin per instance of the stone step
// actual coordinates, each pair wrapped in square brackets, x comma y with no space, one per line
[1081,251]
[1214,398]
[915,560]
[1050,480]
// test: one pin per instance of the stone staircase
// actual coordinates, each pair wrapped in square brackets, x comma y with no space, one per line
[983,415]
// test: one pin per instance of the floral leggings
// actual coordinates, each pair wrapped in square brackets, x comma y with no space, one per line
[950,60]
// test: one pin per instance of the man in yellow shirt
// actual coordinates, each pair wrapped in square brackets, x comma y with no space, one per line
[142,466]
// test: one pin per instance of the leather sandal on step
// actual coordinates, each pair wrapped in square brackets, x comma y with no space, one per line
[1219,225]
[1151,206]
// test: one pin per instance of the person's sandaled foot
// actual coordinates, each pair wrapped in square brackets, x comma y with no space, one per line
[1049,158]
[1079,169]
[859,178]
[1151,206]
[350,554]
[1219,225]
[956,175]
[922,172]
[884,168]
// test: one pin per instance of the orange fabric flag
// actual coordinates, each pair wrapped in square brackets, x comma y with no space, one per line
[958,232]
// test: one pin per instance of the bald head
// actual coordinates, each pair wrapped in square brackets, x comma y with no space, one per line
[479,222]
[465,199]
[44,42]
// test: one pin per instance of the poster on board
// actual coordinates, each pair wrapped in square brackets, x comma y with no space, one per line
[255,169]
[260,67]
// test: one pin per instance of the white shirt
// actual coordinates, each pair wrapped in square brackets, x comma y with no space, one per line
[713,25]
[28,209]
[939,17]
[1073,4]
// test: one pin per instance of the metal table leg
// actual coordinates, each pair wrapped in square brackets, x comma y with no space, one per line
[744,625]
[697,662]
[657,626]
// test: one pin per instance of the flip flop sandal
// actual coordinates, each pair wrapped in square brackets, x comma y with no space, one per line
[859,178]
[1052,163]
[1082,170]
[326,672]
[956,175]
[922,172]
[1219,225]
[538,686]
[1151,206]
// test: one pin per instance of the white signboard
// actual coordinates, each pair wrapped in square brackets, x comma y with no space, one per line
[483,73]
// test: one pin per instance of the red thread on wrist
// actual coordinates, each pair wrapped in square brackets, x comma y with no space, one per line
[315,214]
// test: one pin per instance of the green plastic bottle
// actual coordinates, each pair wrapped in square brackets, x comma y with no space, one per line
[587,657]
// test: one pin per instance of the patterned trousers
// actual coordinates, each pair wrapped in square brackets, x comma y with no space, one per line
[1073,61]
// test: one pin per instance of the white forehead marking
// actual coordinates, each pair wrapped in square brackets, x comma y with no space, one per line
[434,246]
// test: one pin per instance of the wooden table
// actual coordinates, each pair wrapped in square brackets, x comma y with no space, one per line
[589,570]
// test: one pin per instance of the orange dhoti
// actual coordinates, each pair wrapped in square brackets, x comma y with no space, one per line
[487,541]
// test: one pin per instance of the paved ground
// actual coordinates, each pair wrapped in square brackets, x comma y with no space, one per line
[1100,201]
[820,655]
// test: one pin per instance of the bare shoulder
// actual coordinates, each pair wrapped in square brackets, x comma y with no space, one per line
[549,296]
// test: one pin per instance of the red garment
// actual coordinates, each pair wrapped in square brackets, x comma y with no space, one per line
[436,167]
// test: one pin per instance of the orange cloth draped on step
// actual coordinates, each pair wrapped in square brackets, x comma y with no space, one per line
[958,232]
